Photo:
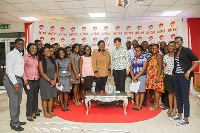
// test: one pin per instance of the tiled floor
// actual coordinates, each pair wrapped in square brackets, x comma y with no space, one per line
[158,124]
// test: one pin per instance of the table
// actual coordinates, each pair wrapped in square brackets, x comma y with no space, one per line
[105,97]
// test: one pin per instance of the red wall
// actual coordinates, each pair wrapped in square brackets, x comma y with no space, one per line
[194,25]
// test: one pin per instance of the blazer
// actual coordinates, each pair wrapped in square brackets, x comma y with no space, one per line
[101,63]
[185,58]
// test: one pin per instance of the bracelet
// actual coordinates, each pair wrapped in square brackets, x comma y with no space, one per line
[95,71]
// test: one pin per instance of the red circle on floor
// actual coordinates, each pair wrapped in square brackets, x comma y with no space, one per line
[105,114]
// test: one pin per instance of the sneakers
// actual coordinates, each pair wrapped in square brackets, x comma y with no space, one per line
[182,123]
[175,118]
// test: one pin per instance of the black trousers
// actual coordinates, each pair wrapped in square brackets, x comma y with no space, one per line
[119,78]
[100,83]
[32,97]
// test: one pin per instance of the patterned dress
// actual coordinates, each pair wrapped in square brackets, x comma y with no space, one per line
[152,71]
[77,67]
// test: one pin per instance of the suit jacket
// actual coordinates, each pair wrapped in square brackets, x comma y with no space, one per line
[185,58]
[101,63]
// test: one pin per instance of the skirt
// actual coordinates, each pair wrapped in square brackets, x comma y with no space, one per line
[66,83]
[168,80]
[142,80]
[88,81]
[46,90]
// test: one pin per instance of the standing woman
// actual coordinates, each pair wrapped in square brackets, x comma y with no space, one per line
[138,73]
[86,70]
[31,81]
[168,62]
[155,75]
[183,71]
[101,66]
[75,59]
[119,65]
[63,65]
[47,69]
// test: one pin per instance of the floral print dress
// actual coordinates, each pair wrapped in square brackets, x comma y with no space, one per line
[152,71]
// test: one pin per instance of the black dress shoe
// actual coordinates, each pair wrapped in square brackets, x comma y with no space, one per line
[17,128]
[38,114]
[144,105]
[34,117]
[22,123]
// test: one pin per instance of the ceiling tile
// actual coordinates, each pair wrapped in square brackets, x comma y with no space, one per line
[136,8]
[36,13]
[48,5]
[26,6]
[74,11]
[141,3]
[179,8]
[197,16]
[2,2]
[115,9]
[157,8]
[163,2]
[114,15]
[131,18]
[37,1]
[53,12]
[45,17]
[195,8]
[95,10]
[19,14]
[5,15]
[83,19]
[98,18]
[77,16]
[60,17]
[147,14]
[117,18]
[93,3]
[110,3]
[149,18]
[16,1]
[188,13]
[8,8]
[134,14]
[70,4]
[186,2]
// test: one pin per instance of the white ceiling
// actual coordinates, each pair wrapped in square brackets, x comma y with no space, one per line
[77,10]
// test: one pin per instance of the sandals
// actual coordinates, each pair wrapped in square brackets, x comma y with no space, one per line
[154,107]
[169,112]
[172,114]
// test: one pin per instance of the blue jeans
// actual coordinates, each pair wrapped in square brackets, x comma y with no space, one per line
[181,87]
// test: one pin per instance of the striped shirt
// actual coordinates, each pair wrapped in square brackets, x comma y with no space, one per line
[179,69]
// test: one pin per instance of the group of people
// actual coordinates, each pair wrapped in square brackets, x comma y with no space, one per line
[160,69]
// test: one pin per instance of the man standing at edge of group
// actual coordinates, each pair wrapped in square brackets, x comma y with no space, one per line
[14,84]
[182,71]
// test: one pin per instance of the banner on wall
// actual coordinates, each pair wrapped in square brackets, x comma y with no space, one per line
[91,33]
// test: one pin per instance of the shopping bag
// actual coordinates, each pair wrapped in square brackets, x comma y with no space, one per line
[134,86]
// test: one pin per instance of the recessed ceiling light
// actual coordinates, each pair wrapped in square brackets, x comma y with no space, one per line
[97,15]
[29,18]
[171,13]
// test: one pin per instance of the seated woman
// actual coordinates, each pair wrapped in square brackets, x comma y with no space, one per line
[138,73]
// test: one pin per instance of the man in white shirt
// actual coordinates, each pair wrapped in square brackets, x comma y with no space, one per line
[13,83]
[131,52]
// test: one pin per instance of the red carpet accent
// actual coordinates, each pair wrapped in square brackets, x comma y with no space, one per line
[105,114]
